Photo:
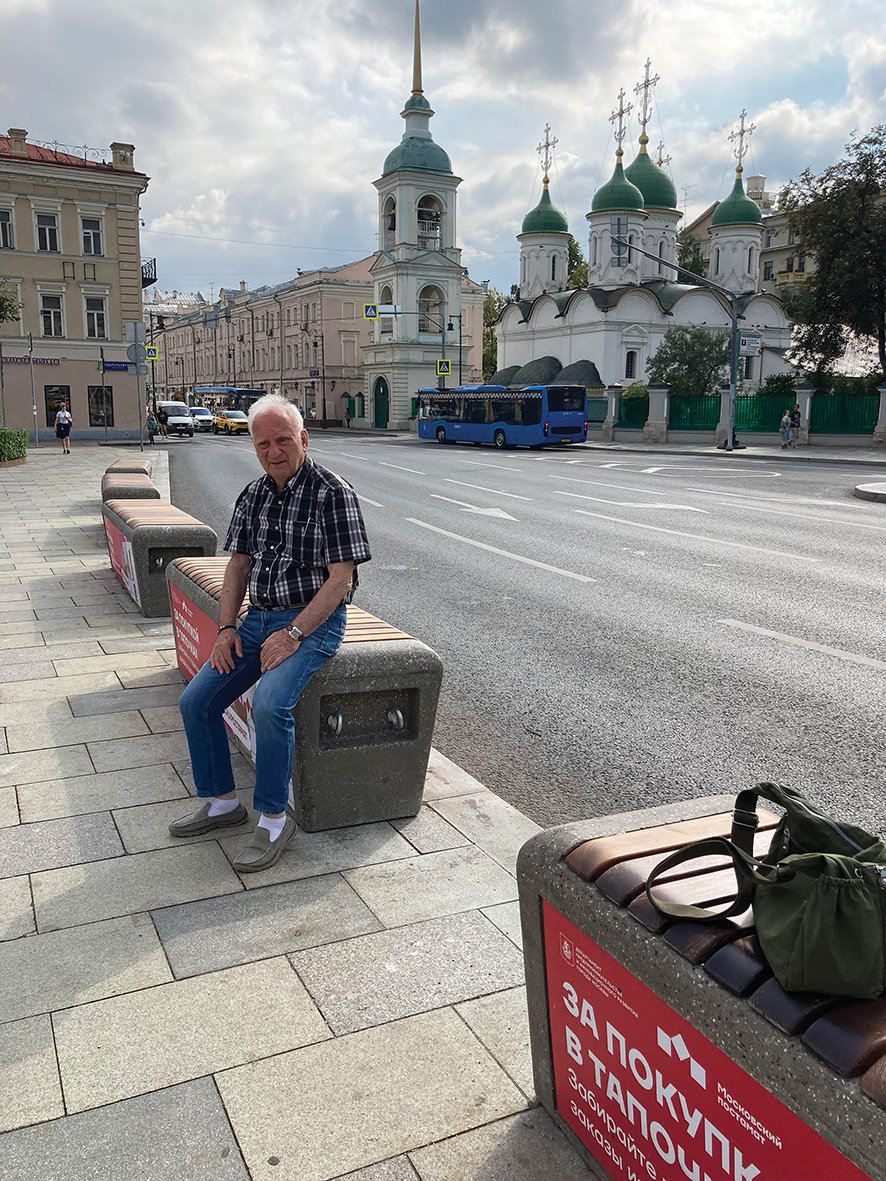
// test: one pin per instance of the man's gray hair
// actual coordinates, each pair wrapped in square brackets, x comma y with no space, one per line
[274,402]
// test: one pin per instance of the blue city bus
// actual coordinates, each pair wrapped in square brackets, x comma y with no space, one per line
[537,416]
[226,397]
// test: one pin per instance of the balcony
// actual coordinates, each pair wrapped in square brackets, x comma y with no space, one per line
[429,233]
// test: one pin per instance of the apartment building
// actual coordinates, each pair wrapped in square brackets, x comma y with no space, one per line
[69,253]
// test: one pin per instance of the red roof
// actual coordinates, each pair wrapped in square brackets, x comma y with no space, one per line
[48,155]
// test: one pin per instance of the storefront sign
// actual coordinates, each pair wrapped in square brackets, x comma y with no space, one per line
[27,360]
[121,559]
[195,635]
[653,1099]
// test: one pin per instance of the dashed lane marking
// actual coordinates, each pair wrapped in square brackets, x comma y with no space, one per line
[852,657]
[502,553]
[495,491]
[382,463]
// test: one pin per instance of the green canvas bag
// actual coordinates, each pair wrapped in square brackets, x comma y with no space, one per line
[819,894]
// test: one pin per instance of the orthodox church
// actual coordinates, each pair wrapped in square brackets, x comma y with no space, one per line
[604,334]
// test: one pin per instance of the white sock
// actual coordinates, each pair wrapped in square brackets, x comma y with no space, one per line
[219,807]
[274,825]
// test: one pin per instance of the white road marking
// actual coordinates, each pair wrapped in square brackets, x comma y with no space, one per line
[498,466]
[382,463]
[758,508]
[503,553]
[853,657]
[697,536]
[471,508]
[778,499]
[650,470]
[603,484]
[631,504]
[361,498]
[348,454]
[480,488]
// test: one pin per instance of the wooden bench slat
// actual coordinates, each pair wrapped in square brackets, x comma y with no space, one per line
[706,889]
[873,1082]
[697,942]
[851,1038]
[740,966]
[791,1012]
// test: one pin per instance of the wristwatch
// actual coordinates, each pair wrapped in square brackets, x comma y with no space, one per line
[294,633]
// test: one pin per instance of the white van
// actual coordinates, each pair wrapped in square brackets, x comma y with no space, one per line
[180,421]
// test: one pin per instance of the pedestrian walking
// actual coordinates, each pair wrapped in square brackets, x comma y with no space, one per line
[785,430]
[153,427]
[296,539]
[795,424]
[63,424]
[348,417]
[162,420]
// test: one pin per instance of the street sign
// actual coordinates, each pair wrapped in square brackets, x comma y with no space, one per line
[389,309]
[750,344]
[370,311]
[444,368]
[313,373]
[136,353]
[135,331]
[152,353]
[115,367]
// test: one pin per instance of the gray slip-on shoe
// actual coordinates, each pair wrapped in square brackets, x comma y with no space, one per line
[200,821]
[262,852]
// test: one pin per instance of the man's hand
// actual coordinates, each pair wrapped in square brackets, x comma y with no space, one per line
[277,648]
[226,644]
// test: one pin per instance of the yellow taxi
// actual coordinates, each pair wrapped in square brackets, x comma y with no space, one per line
[230,422]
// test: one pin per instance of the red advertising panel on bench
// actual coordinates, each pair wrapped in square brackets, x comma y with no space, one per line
[649,1096]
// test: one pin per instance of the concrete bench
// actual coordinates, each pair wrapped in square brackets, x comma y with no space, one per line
[143,466]
[665,1048]
[363,725]
[128,486]
[143,537]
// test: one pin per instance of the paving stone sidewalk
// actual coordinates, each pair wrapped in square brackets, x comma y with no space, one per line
[357,1011]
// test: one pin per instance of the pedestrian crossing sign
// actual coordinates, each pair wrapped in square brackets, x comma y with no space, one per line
[370,311]
[444,368]
[151,353]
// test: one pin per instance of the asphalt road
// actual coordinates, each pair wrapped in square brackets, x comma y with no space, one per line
[620,630]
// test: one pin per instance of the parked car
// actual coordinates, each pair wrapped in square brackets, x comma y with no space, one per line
[180,421]
[203,418]
[230,422]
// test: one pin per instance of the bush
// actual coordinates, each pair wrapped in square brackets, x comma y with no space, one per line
[639,389]
[13,443]
[779,383]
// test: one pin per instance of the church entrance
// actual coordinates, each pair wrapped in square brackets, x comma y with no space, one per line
[382,403]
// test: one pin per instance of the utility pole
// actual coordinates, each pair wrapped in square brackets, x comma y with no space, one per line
[2,390]
[33,391]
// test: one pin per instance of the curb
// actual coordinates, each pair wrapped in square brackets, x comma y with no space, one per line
[870,492]
[742,454]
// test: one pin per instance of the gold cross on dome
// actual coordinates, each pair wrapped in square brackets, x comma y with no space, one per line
[547,148]
[742,134]
[663,161]
[646,86]
[620,115]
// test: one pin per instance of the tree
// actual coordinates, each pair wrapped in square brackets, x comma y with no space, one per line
[576,265]
[492,308]
[691,360]
[840,218]
[9,309]
[688,257]
[780,383]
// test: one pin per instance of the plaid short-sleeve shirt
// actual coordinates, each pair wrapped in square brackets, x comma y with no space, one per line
[292,535]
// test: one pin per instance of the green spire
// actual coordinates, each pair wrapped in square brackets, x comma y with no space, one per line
[545,218]
[618,194]
[738,209]
[653,182]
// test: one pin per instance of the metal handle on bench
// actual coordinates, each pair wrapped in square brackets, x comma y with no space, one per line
[335,723]
[395,717]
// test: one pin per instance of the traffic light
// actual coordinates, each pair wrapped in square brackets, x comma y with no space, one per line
[161,324]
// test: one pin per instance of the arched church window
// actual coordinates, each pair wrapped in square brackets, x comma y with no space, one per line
[593,251]
[430,223]
[751,261]
[389,222]
[630,252]
[716,262]
[386,323]
[554,269]
[631,363]
[660,255]
[430,309]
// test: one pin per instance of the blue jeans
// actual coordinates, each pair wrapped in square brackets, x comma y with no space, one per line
[210,693]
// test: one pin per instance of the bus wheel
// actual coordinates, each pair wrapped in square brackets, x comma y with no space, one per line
[499,440]
[441,434]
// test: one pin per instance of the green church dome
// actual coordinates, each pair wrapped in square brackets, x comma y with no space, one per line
[417,154]
[617,194]
[653,182]
[545,218]
[738,209]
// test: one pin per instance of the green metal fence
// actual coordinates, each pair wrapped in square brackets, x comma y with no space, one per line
[633,413]
[761,412]
[844,414]
[689,412]
[595,411]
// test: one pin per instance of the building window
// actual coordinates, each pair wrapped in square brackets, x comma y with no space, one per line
[95,318]
[751,260]
[288,317]
[631,363]
[430,210]
[101,405]
[789,265]
[554,269]
[47,233]
[51,315]
[792,238]
[313,311]
[593,252]
[289,356]
[295,356]
[347,311]
[660,255]
[748,368]
[430,310]
[770,239]
[89,272]
[768,270]
[801,263]
[92,235]
[7,242]
[389,222]
[55,396]
[716,262]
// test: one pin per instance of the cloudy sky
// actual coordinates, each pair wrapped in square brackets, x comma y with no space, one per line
[262,124]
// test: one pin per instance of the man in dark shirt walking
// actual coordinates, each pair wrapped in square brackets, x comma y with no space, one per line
[296,539]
